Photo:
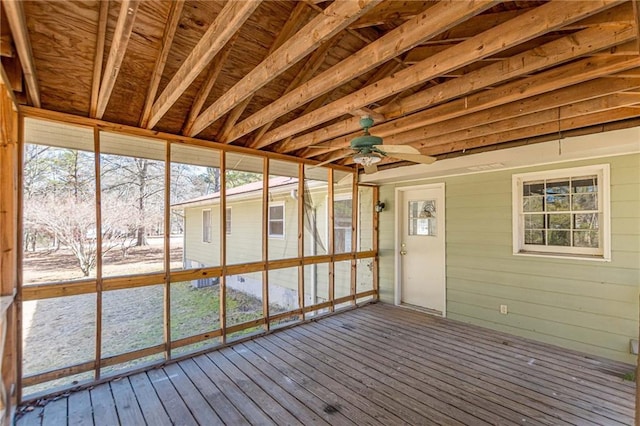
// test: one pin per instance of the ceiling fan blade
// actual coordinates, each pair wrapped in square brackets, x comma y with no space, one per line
[415,158]
[398,149]
[370,169]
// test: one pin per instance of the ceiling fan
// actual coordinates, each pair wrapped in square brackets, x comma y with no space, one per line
[369,150]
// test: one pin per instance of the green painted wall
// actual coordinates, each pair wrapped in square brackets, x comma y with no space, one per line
[583,305]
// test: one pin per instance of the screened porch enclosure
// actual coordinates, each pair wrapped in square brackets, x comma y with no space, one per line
[139,250]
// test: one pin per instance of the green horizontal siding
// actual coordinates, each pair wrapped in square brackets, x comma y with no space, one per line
[590,306]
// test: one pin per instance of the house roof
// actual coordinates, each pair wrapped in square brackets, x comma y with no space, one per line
[277,183]
[294,77]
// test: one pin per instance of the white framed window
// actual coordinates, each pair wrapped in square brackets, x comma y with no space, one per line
[276,220]
[206,226]
[562,213]
[227,219]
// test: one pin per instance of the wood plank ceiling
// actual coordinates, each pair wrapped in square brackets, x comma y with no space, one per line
[447,77]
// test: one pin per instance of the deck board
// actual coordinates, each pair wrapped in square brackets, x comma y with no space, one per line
[104,410]
[378,364]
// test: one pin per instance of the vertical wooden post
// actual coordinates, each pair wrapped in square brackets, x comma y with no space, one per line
[301,214]
[98,200]
[354,237]
[331,248]
[265,242]
[376,222]
[167,251]
[9,251]
[223,245]
[20,254]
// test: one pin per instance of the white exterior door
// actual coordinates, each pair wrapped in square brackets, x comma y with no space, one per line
[421,248]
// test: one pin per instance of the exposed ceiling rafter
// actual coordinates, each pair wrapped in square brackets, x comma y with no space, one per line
[14,11]
[556,52]
[547,17]
[439,18]
[226,24]
[167,41]
[121,35]
[335,18]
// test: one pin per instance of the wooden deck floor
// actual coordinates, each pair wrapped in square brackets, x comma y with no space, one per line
[374,365]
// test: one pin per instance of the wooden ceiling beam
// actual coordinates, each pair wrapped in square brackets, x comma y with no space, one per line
[167,40]
[6,46]
[391,10]
[425,26]
[227,23]
[20,33]
[572,83]
[548,17]
[586,120]
[291,26]
[536,93]
[537,117]
[571,100]
[310,67]
[384,71]
[203,93]
[121,35]
[98,57]
[556,52]
[334,18]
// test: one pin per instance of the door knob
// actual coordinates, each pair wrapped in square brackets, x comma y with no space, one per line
[403,252]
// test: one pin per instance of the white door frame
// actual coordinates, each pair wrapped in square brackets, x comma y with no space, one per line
[398,231]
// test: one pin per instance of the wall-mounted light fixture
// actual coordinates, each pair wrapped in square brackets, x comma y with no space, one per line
[379,206]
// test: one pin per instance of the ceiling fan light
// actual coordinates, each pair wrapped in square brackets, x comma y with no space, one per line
[367,159]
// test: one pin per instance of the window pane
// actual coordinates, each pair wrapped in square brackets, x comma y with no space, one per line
[534,237]
[584,184]
[534,221]
[585,201]
[586,221]
[276,229]
[557,186]
[533,188]
[585,239]
[276,212]
[559,221]
[533,204]
[559,238]
[557,203]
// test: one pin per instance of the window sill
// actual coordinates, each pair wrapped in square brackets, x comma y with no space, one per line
[592,258]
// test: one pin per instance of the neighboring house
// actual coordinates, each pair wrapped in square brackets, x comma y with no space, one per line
[243,242]
[549,232]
